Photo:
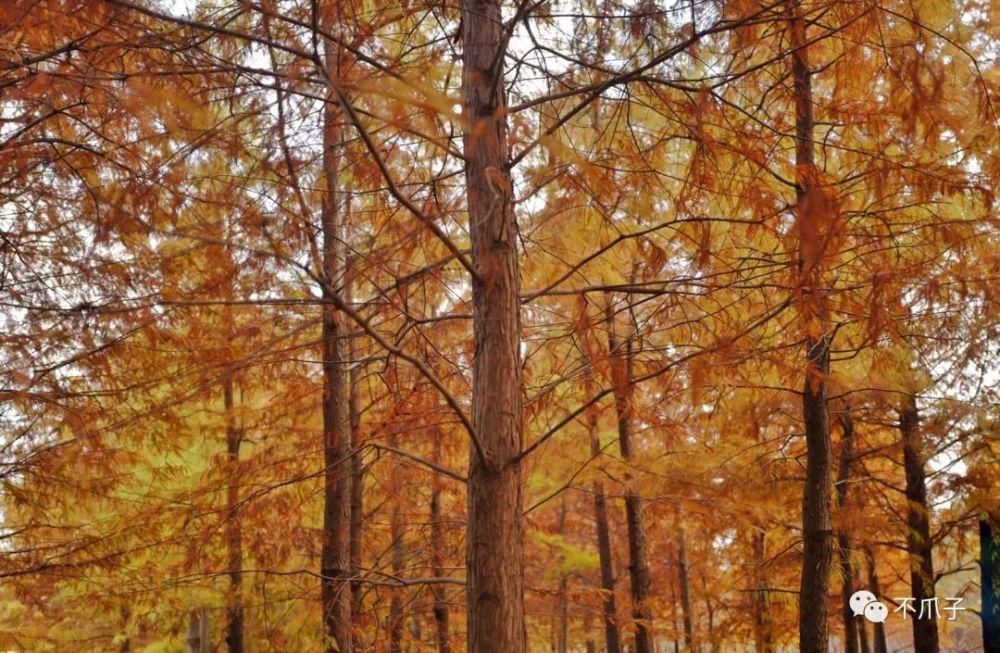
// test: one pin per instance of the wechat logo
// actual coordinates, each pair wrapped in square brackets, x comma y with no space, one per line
[864,603]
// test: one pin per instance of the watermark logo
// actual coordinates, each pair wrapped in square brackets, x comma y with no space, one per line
[865,603]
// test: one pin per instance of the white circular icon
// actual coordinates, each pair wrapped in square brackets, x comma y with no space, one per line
[876,612]
[859,600]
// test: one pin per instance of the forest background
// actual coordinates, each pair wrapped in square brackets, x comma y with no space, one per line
[349,325]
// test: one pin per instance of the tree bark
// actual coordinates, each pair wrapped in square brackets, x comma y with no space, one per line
[879,642]
[335,586]
[918,532]
[621,361]
[612,636]
[494,556]
[843,538]
[817,533]
[234,534]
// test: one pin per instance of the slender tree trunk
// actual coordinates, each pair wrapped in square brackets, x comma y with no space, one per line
[918,532]
[684,583]
[880,645]
[396,621]
[817,531]
[494,557]
[234,534]
[563,607]
[989,568]
[357,464]
[612,636]
[335,555]
[843,538]
[621,357]
[763,637]
[441,612]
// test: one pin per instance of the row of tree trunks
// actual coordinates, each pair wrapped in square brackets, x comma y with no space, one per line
[494,554]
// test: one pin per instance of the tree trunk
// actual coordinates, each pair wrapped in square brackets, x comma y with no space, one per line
[396,621]
[763,637]
[989,567]
[918,532]
[441,611]
[843,538]
[234,534]
[335,555]
[684,583]
[494,556]
[357,464]
[879,642]
[621,359]
[612,636]
[817,533]
[563,607]
[198,631]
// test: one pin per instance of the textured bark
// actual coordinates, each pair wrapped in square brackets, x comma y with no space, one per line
[441,611]
[762,629]
[234,535]
[684,583]
[843,537]
[621,357]
[494,556]
[335,559]
[612,636]
[879,643]
[989,568]
[817,532]
[918,532]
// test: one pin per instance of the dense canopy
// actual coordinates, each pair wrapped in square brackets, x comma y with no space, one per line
[499,326]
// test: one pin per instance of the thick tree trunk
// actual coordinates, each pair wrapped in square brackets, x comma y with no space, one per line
[612,636]
[817,532]
[989,568]
[918,532]
[684,583]
[621,357]
[843,538]
[879,643]
[763,636]
[335,586]
[234,535]
[494,556]
[441,611]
